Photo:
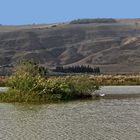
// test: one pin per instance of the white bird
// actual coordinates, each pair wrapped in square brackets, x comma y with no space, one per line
[101,94]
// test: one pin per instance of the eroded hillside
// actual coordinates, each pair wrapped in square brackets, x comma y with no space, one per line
[115,47]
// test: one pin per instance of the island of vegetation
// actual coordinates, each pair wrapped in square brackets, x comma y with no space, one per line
[32,83]
[28,84]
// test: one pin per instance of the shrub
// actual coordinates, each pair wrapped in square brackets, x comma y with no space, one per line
[27,85]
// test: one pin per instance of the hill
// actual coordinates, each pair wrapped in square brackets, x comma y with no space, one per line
[113,46]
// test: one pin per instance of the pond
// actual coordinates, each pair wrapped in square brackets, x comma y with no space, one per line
[104,119]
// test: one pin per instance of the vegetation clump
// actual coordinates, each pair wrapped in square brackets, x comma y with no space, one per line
[28,85]
[96,20]
[2,81]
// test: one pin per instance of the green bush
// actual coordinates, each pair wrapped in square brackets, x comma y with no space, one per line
[27,85]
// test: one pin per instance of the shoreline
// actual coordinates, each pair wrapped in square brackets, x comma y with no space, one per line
[109,92]
[118,92]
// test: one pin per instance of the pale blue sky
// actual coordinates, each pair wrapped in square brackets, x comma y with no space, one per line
[48,11]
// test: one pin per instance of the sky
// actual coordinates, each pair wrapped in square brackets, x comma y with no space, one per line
[14,12]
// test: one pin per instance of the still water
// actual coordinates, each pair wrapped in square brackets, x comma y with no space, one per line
[104,119]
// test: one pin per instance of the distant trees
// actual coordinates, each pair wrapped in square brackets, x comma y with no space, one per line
[34,68]
[96,20]
[43,71]
[77,69]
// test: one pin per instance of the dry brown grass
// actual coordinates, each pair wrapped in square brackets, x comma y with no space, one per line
[116,79]
[98,79]
[107,79]
[3,81]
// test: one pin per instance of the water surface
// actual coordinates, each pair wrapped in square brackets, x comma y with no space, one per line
[105,119]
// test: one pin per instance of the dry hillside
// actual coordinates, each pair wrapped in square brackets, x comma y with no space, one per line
[115,47]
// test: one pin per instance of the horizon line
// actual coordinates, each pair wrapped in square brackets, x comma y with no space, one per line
[67,21]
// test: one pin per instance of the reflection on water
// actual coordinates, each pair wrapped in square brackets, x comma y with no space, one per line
[87,120]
